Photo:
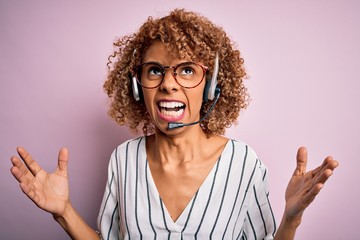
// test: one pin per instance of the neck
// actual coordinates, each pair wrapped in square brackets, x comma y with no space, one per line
[177,148]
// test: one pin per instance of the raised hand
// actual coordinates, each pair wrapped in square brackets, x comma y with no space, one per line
[305,186]
[49,192]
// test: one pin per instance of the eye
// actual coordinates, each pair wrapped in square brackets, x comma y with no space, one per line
[186,70]
[155,70]
[152,71]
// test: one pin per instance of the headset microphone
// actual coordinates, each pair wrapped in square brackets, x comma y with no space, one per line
[173,125]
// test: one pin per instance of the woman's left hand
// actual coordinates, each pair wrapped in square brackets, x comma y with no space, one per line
[305,186]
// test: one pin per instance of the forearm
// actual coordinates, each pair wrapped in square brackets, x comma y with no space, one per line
[76,226]
[287,229]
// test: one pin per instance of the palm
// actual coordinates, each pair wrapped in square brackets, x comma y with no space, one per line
[48,191]
[53,191]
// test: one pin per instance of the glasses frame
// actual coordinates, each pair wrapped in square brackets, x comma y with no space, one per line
[164,68]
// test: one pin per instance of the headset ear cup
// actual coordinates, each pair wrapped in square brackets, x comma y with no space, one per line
[135,88]
[140,91]
[211,84]
[206,90]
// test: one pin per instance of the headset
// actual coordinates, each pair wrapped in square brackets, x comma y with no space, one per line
[209,90]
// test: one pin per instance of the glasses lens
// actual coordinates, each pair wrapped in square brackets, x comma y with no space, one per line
[151,74]
[189,74]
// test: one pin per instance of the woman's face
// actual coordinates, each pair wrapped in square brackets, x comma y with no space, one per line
[170,102]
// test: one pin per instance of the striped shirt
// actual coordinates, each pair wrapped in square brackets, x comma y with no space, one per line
[231,203]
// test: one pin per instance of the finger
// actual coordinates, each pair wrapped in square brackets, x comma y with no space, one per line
[30,191]
[323,177]
[328,163]
[331,163]
[310,195]
[32,165]
[322,166]
[25,182]
[301,161]
[63,160]
[20,171]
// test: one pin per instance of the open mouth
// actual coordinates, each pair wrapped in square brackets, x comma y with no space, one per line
[171,109]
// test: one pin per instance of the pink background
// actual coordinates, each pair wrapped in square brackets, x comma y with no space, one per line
[303,62]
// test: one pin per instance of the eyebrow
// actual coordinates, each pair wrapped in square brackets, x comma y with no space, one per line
[167,65]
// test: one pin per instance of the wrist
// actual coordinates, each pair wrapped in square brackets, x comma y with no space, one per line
[287,228]
[74,224]
[66,214]
[291,222]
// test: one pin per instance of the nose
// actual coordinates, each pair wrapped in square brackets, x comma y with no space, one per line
[169,83]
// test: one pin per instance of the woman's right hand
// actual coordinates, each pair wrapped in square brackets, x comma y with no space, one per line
[49,192]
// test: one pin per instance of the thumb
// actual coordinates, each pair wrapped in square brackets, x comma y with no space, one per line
[301,161]
[63,160]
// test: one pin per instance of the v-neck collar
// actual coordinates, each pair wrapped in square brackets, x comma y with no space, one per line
[181,222]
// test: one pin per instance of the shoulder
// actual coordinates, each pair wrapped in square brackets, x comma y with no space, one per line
[130,146]
[245,149]
[248,155]
[131,143]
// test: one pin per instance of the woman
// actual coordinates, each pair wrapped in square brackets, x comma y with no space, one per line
[179,80]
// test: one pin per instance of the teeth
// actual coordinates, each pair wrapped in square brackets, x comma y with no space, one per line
[170,104]
[171,109]
[172,113]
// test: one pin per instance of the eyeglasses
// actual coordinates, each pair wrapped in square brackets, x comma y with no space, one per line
[186,74]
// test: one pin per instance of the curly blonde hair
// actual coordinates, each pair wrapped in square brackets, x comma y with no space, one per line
[185,34]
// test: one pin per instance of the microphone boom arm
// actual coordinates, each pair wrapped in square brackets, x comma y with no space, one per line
[173,125]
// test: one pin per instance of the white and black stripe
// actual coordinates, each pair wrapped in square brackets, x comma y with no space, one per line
[232,202]
[224,192]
